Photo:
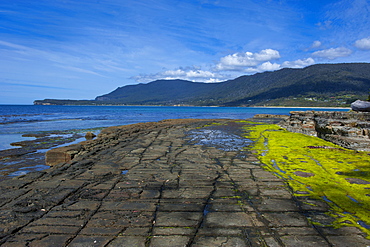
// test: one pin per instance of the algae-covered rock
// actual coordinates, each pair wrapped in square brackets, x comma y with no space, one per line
[319,170]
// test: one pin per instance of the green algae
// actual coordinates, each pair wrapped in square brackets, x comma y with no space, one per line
[318,169]
[210,125]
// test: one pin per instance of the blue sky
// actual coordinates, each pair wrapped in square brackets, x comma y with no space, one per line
[80,49]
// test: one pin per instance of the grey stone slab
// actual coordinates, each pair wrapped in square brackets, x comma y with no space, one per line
[79,214]
[349,241]
[305,241]
[136,231]
[173,231]
[51,229]
[224,192]
[150,194]
[15,244]
[90,241]
[96,231]
[297,231]
[227,219]
[271,242]
[50,241]
[286,219]
[189,192]
[188,219]
[81,205]
[220,241]
[137,241]
[129,205]
[340,231]
[221,231]
[277,205]
[121,219]
[185,206]
[58,221]
[278,193]
[225,207]
[169,241]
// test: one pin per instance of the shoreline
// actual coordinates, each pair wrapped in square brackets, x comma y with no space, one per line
[154,184]
[9,151]
[315,107]
[302,107]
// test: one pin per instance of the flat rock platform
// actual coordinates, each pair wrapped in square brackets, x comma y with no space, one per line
[161,184]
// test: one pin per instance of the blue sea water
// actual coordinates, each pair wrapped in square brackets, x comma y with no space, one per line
[16,120]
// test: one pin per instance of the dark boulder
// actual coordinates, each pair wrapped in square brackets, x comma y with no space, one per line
[360,105]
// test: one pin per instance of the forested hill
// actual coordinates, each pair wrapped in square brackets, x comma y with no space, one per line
[316,85]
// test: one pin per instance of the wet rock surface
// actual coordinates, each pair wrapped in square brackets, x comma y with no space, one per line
[30,155]
[151,184]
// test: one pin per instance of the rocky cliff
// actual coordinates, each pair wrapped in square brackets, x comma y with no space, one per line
[347,129]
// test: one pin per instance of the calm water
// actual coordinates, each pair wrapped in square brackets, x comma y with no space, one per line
[16,120]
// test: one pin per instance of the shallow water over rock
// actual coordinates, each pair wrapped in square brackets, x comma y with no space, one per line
[221,137]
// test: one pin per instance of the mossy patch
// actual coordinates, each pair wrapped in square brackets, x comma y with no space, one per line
[320,169]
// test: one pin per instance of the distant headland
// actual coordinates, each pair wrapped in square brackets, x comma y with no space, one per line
[320,85]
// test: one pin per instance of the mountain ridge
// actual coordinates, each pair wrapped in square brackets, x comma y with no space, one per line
[315,85]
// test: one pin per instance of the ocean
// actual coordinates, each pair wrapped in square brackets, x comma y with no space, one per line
[17,120]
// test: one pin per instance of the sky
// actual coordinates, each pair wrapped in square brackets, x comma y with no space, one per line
[80,49]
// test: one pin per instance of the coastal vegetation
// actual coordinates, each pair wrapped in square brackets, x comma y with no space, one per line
[320,85]
[319,170]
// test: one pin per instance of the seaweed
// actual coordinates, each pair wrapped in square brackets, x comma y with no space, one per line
[319,169]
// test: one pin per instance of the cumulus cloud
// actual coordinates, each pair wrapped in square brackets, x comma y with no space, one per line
[241,61]
[268,66]
[363,44]
[333,53]
[300,63]
[248,63]
[184,74]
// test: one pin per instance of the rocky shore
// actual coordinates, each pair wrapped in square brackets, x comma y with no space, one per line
[162,184]
[347,129]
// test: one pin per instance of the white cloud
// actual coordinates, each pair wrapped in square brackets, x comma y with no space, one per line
[363,44]
[239,61]
[268,66]
[198,75]
[184,74]
[298,63]
[333,53]
[316,44]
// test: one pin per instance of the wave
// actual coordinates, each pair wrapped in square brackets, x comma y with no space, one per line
[12,120]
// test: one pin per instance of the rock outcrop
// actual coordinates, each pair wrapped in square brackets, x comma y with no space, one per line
[347,129]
